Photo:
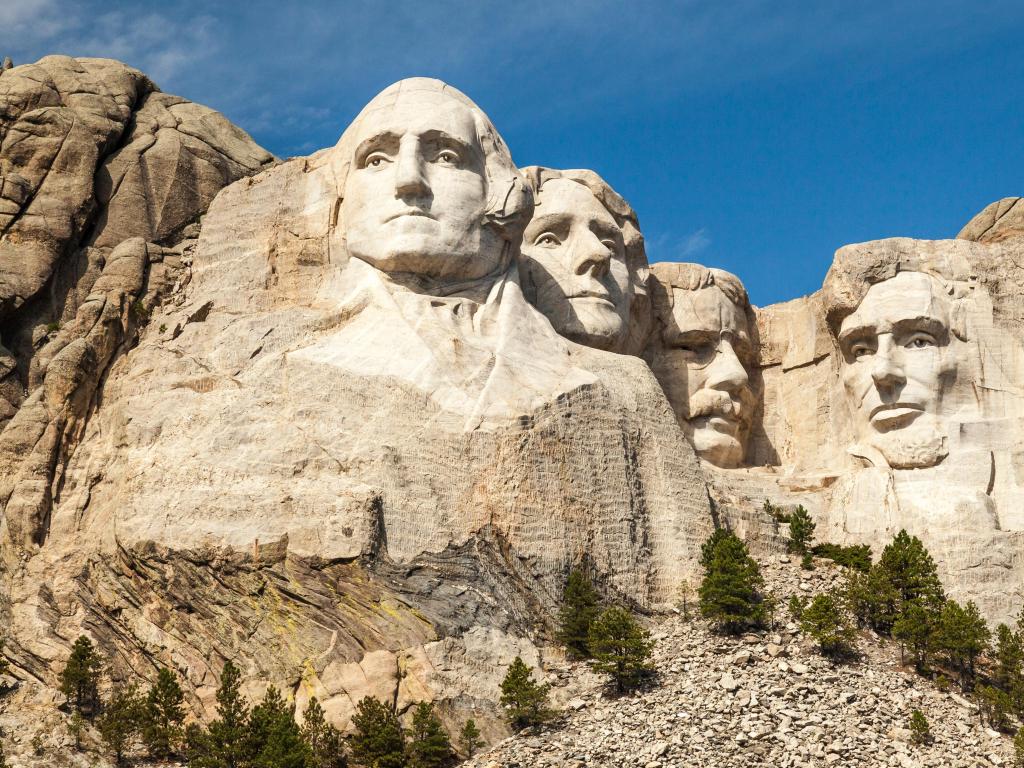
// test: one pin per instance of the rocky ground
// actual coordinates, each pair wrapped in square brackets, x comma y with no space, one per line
[766,699]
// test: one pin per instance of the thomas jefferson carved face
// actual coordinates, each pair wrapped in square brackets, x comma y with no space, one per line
[574,256]
[703,363]
[416,193]
[897,365]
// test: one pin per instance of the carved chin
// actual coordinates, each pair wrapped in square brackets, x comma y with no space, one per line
[912,448]
[715,447]
[596,324]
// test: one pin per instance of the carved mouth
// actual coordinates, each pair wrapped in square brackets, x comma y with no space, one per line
[593,295]
[409,213]
[889,415]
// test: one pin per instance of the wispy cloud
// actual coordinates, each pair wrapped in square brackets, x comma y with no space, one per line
[670,246]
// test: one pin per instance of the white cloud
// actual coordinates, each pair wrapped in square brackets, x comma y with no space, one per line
[694,243]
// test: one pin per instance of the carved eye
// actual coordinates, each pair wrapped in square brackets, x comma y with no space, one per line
[547,240]
[448,157]
[858,351]
[698,353]
[920,341]
[376,160]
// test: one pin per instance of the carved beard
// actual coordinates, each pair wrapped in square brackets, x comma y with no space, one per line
[915,447]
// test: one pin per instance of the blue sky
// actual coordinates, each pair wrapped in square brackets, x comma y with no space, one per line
[753,136]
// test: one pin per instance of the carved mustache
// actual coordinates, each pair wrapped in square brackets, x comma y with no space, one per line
[714,402]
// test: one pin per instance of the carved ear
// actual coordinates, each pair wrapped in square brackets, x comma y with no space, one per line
[958,319]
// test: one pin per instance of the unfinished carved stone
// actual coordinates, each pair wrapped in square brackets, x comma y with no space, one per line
[583,262]
[701,352]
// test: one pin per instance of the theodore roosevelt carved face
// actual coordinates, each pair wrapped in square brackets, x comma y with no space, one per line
[897,365]
[428,187]
[703,358]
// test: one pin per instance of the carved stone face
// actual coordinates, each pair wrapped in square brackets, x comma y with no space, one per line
[573,254]
[416,193]
[897,366]
[703,367]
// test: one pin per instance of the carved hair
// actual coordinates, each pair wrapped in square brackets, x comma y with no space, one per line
[858,267]
[509,199]
[626,219]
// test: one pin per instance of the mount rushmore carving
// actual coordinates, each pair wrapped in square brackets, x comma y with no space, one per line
[406,385]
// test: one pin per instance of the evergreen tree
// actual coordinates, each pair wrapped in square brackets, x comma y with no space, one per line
[915,629]
[275,738]
[621,648]
[3,760]
[163,716]
[579,609]
[121,720]
[962,636]
[76,726]
[325,742]
[825,620]
[1018,749]
[80,680]
[801,531]
[994,705]
[429,746]
[908,566]
[1008,673]
[920,732]
[379,741]
[731,592]
[225,744]
[469,738]
[525,699]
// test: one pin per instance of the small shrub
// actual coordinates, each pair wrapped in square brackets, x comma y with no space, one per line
[163,328]
[995,707]
[856,556]
[52,327]
[920,733]
[797,604]
[807,561]
[524,698]
[621,648]
[801,530]
[469,738]
[139,311]
[825,620]
[1018,749]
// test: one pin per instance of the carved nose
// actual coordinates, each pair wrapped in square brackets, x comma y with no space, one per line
[410,173]
[726,372]
[887,370]
[591,255]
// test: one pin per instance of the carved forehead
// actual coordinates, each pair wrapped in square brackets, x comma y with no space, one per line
[417,111]
[707,309]
[566,197]
[907,296]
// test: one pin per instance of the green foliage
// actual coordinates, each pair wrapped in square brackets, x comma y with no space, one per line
[826,621]
[76,726]
[961,636]
[163,716]
[5,669]
[731,591]
[139,311]
[525,699]
[469,738]
[621,648]
[807,561]
[275,739]
[80,679]
[797,604]
[52,327]
[579,608]
[775,512]
[429,746]
[919,730]
[121,721]
[1018,749]
[915,630]
[379,741]
[225,744]
[855,556]
[3,760]
[326,746]
[995,705]
[801,530]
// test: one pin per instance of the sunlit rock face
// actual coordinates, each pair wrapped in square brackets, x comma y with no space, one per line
[702,351]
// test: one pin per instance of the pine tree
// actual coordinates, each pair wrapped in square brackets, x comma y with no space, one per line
[962,636]
[825,620]
[80,680]
[379,741]
[76,726]
[994,704]
[579,609]
[621,648]
[920,732]
[469,738]
[429,746]
[225,744]
[121,720]
[910,569]
[525,699]
[1018,749]
[915,630]
[325,742]
[731,592]
[801,531]
[275,738]
[3,760]
[163,716]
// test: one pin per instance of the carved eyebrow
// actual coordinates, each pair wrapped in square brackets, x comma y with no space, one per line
[375,142]
[691,336]
[856,332]
[925,323]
